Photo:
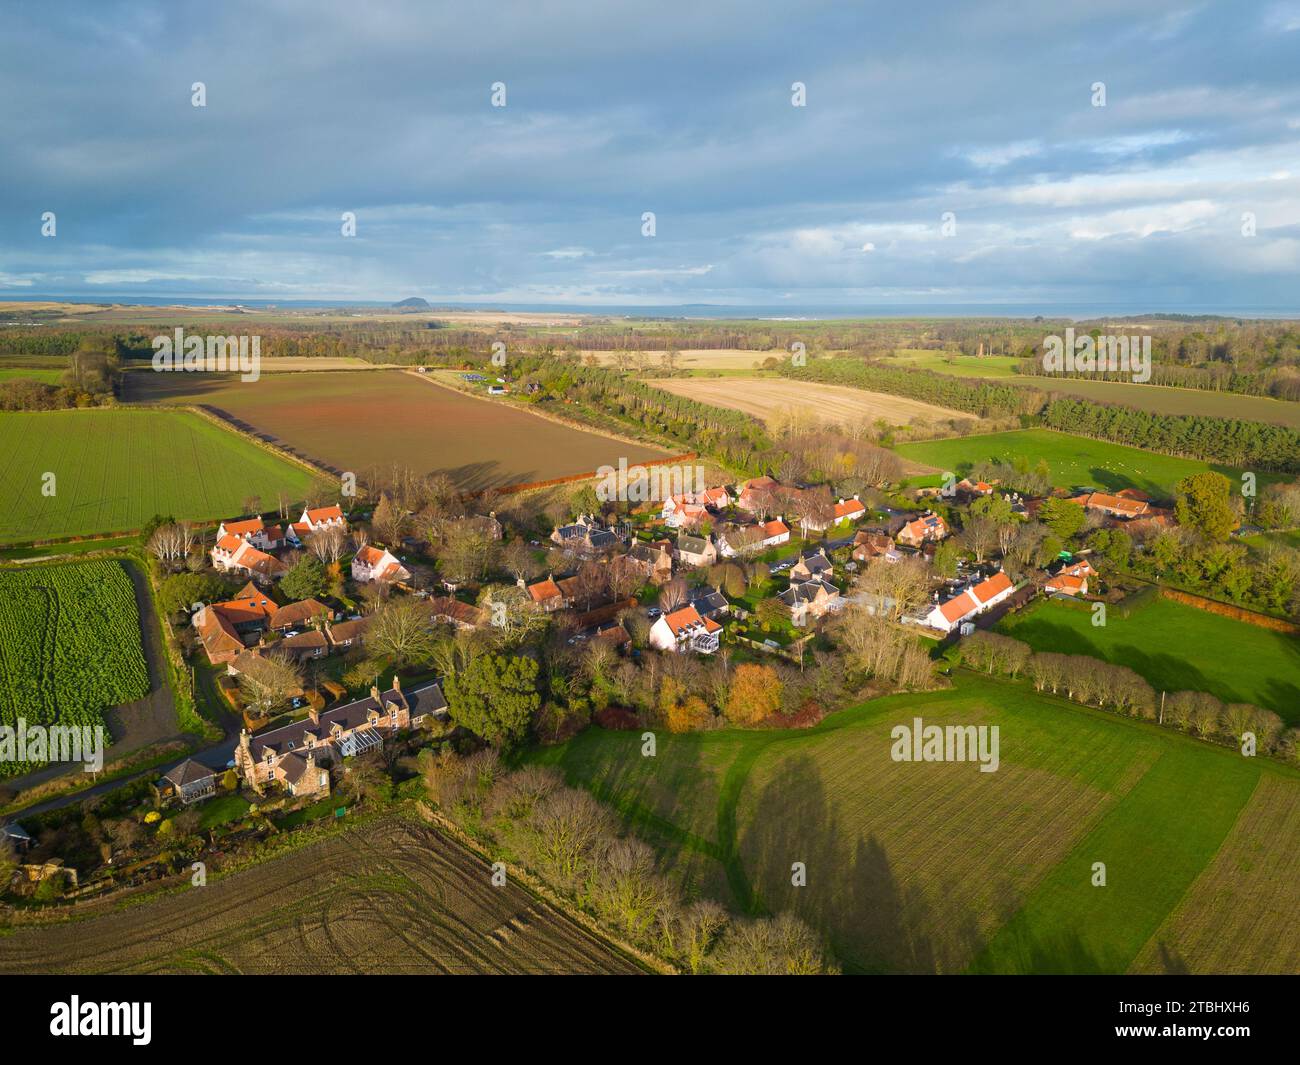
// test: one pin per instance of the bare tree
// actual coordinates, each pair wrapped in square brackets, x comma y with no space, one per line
[673,594]
[402,630]
[269,683]
[328,544]
[520,560]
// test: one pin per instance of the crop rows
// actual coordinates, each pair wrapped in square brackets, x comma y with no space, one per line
[70,646]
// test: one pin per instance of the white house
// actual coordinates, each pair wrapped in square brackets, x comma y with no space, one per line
[685,630]
[378,564]
[947,615]
[314,519]
[252,531]
[230,554]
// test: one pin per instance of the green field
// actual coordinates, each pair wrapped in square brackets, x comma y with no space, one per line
[1175,647]
[115,469]
[1283,538]
[49,377]
[1075,461]
[1162,399]
[70,646]
[958,365]
[936,867]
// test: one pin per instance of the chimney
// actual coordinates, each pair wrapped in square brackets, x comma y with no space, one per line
[397,684]
[374,693]
[314,715]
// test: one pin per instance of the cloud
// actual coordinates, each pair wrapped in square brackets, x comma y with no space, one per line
[684,110]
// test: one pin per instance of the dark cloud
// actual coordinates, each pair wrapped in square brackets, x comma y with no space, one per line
[682,109]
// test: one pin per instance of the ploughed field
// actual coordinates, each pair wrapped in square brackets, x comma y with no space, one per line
[938,867]
[70,647]
[114,469]
[359,422]
[386,897]
[770,398]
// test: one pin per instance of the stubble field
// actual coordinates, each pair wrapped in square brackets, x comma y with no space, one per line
[775,398]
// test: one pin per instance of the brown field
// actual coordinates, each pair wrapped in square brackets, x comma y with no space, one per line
[1239,915]
[693,358]
[776,398]
[371,420]
[304,363]
[392,897]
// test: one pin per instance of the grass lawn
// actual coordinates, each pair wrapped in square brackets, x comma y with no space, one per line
[322,808]
[115,469]
[1175,647]
[222,810]
[1073,460]
[937,867]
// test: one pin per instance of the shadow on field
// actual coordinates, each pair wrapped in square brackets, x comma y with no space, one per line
[852,896]
[1171,962]
[1162,671]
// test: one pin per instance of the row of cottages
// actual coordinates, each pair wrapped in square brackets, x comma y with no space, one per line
[737,540]
[685,629]
[970,602]
[297,756]
[244,546]
[688,510]
[1069,578]
[928,528]
[379,565]
[812,593]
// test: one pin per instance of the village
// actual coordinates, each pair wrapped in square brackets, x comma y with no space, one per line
[659,571]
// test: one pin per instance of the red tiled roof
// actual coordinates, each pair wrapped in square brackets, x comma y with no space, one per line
[545,590]
[316,515]
[244,527]
[1065,582]
[995,585]
[683,619]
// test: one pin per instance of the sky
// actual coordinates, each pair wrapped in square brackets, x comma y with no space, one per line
[944,153]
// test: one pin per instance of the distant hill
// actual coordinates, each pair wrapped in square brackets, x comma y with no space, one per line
[415,303]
